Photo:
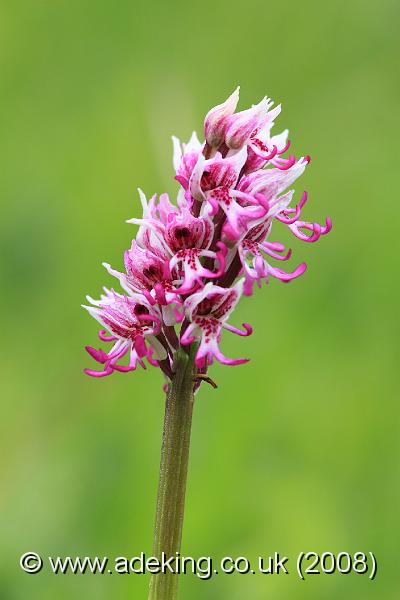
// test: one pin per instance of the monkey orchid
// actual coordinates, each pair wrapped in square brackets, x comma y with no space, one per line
[188,267]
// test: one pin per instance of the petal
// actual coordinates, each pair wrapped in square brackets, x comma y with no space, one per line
[223,172]
[209,346]
[177,155]
[194,183]
[271,182]
[283,276]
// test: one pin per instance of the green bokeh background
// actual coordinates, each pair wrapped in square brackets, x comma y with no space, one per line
[297,450]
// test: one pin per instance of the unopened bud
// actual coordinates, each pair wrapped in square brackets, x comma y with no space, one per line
[216,120]
[241,125]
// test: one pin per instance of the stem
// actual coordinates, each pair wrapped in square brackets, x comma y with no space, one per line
[173,473]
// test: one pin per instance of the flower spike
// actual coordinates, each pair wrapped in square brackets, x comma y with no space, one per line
[192,261]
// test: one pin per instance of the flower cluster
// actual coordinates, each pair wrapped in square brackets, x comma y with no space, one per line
[192,261]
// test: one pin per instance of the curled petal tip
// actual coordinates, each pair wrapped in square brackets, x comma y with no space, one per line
[99,355]
[328,226]
[248,328]
[105,337]
[232,362]
[286,163]
[285,148]
[97,374]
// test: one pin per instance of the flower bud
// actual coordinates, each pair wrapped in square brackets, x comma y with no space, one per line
[241,125]
[216,120]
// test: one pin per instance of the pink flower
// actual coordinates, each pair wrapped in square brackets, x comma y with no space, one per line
[130,321]
[241,125]
[147,272]
[185,158]
[193,260]
[207,312]
[258,268]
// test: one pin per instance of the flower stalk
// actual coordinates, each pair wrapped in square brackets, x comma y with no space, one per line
[173,472]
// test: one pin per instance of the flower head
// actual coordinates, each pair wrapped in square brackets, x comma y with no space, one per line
[131,321]
[191,262]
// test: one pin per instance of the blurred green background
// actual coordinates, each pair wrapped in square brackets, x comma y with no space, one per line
[298,450]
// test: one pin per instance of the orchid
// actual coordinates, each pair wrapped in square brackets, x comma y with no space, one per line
[191,263]
[218,233]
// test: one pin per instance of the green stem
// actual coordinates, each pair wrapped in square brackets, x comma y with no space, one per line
[173,473]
